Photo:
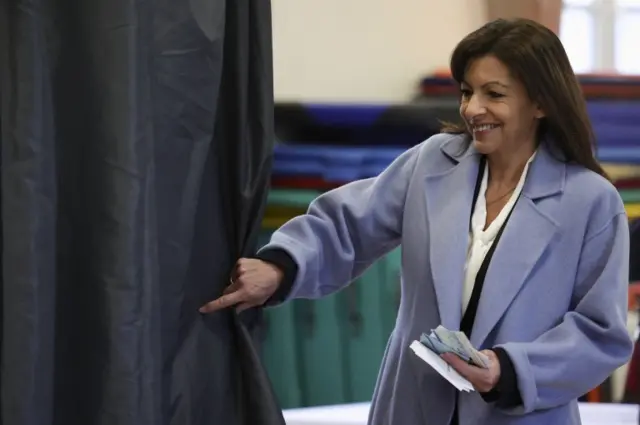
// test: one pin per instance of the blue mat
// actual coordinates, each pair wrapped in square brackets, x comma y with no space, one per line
[614,112]
[345,164]
[619,155]
[609,135]
[346,115]
[333,164]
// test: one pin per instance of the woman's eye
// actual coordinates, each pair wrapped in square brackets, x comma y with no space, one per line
[495,95]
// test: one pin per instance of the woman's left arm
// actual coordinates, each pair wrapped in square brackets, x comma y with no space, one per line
[592,340]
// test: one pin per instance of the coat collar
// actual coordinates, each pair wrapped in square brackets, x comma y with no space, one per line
[547,172]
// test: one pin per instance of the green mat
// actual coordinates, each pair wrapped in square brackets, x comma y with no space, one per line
[302,198]
[292,197]
[630,196]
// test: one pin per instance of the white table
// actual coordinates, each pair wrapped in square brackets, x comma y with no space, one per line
[356,414]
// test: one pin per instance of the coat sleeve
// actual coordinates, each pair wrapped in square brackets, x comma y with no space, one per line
[345,230]
[592,340]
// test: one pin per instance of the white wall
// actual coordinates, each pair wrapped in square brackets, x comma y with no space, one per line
[364,50]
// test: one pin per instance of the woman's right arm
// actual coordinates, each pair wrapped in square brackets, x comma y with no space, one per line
[343,232]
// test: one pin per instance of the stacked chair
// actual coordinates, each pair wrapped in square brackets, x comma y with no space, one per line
[329,351]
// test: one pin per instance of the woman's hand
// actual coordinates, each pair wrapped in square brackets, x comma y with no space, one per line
[254,283]
[483,380]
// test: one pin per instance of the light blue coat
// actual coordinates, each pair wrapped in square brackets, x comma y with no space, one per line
[555,295]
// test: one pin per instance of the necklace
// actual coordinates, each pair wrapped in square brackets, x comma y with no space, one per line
[501,196]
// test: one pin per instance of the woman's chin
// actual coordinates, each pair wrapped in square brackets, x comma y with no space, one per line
[483,147]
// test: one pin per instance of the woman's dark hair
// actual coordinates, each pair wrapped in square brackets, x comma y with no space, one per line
[535,56]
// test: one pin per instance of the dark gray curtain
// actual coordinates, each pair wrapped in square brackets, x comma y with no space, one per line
[136,149]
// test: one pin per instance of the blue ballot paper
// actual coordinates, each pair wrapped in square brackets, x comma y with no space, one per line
[433,343]
[442,340]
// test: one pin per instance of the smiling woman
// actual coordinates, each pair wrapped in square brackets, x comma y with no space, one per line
[510,233]
[521,72]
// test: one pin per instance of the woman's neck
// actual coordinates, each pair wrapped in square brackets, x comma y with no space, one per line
[507,167]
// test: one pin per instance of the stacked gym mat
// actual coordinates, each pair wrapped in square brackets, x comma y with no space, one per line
[329,351]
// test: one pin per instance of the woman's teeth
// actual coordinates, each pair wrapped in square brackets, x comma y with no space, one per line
[484,127]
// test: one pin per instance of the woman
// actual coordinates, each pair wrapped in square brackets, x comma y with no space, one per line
[509,229]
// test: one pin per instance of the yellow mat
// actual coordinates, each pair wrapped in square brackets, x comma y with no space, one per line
[633,211]
[618,171]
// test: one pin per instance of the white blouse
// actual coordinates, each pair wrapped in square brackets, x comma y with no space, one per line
[480,240]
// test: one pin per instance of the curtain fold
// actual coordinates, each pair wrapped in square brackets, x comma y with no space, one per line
[136,152]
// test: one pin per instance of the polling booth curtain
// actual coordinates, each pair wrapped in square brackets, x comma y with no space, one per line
[136,150]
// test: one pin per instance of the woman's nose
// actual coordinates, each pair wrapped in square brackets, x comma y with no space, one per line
[474,108]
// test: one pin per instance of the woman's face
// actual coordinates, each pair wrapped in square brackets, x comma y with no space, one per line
[496,108]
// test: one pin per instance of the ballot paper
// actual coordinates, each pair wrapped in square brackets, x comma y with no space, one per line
[440,366]
[441,340]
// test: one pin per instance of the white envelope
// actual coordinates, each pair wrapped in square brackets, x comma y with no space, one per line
[440,366]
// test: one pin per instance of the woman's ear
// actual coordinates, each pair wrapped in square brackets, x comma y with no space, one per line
[539,114]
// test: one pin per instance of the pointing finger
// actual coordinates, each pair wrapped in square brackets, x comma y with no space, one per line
[223,302]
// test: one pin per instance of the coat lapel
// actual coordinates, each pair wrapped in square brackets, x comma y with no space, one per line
[449,197]
[525,239]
